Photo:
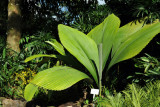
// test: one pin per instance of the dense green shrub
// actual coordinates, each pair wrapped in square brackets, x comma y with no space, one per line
[9,65]
[14,73]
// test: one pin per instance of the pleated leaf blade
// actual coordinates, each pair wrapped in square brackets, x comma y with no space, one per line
[105,34]
[80,46]
[29,91]
[124,32]
[134,43]
[58,78]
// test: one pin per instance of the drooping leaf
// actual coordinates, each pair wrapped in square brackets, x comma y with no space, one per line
[81,46]
[58,78]
[134,43]
[29,91]
[37,56]
[57,46]
[105,34]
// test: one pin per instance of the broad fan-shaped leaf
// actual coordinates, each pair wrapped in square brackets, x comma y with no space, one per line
[80,46]
[105,34]
[37,56]
[29,92]
[134,43]
[57,46]
[58,78]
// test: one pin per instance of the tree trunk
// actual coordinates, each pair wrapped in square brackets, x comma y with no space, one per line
[14,26]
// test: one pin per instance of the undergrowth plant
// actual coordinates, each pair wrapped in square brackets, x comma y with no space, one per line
[14,72]
[9,65]
[149,69]
[133,96]
[104,46]
[116,100]
[29,43]
[147,96]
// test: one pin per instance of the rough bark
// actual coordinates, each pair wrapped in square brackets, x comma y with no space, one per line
[14,26]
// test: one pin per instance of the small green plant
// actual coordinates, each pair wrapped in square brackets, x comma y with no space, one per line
[147,96]
[149,69]
[110,101]
[29,43]
[133,96]
[107,42]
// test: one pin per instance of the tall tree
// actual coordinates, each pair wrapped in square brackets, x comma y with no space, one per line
[31,16]
[14,25]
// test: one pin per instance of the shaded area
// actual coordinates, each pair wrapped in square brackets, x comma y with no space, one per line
[57,98]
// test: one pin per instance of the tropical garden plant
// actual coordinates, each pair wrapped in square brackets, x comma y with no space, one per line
[104,46]
[149,69]
[133,96]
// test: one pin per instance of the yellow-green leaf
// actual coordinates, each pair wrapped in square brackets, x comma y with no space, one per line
[105,34]
[57,46]
[29,92]
[80,46]
[37,56]
[134,43]
[58,78]
[124,32]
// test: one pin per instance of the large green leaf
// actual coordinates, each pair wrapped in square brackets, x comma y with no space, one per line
[81,46]
[105,34]
[37,56]
[57,46]
[29,91]
[58,78]
[134,43]
[124,32]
